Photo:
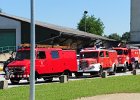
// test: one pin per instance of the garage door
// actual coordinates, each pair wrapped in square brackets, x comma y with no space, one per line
[7,38]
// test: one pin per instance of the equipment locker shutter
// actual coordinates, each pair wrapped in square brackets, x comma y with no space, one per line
[7,37]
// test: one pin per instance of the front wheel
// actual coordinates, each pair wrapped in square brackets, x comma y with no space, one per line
[14,81]
[77,74]
[100,71]
[114,71]
[137,65]
[130,67]
[125,68]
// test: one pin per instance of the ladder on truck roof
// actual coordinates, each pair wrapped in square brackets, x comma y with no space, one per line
[26,45]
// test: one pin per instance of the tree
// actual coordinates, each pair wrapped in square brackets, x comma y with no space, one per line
[115,36]
[126,37]
[92,25]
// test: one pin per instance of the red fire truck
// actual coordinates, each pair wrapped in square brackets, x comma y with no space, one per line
[49,63]
[128,58]
[94,61]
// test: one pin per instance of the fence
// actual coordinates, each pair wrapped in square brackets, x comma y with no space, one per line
[6,49]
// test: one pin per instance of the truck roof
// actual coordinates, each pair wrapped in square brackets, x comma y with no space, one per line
[94,50]
[40,49]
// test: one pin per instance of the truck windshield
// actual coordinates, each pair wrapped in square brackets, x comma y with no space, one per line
[89,55]
[20,55]
[119,52]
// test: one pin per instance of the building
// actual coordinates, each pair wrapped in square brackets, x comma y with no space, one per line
[135,22]
[16,30]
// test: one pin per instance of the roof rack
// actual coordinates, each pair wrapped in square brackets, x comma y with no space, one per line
[26,45]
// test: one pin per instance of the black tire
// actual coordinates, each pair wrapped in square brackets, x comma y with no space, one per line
[119,69]
[68,73]
[114,71]
[137,65]
[14,81]
[100,72]
[130,68]
[124,68]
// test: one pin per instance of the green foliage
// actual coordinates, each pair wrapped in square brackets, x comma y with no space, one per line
[76,89]
[126,37]
[115,36]
[93,25]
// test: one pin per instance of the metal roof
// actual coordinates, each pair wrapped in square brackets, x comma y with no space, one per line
[57,28]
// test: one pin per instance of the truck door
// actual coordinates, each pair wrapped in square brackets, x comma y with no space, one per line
[41,63]
[101,58]
[107,60]
[56,61]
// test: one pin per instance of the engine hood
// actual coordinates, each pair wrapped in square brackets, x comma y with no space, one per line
[19,63]
[89,60]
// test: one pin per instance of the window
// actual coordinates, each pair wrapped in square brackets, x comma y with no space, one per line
[24,54]
[119,52]
[41,55]
[101,54]
[126,52]
[89,55]
[55,54]
[107,55]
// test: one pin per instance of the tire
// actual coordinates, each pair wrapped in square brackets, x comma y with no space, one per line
[137,65]
[130,67]
[114,71]
[68,73]
[119,69]
[100,72]
[124,68]
[15,81]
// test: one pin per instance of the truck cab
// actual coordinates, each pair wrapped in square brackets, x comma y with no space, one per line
[128,58]
[123,58]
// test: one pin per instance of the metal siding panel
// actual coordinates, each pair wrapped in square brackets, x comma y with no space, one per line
[7,37]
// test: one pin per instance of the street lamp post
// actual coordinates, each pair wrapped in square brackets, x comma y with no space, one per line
[85,12]
[32,64]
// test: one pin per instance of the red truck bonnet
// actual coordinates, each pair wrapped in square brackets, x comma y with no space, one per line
[89,60]
[19,63]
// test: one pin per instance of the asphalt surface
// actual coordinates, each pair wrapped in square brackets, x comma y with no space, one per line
[56,80]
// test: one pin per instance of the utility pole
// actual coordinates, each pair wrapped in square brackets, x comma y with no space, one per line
[32,54]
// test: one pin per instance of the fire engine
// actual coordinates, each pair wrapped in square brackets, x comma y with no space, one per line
[128,58]
[49,62]
[94,61]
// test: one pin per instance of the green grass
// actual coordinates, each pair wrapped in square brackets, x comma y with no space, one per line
[76,89]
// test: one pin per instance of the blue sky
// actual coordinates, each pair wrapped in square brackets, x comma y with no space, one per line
[115,14]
